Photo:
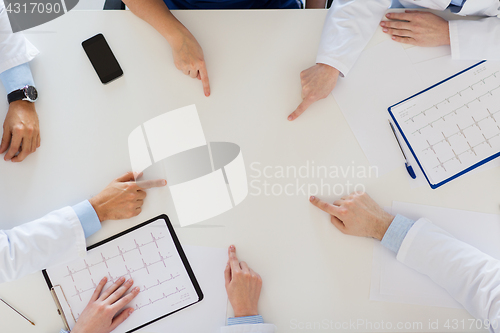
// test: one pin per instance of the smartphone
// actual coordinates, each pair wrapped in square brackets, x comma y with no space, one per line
[102,58]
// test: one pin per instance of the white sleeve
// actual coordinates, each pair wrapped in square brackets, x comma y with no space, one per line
[349,26]
[55,238]
[469,275]
[250,328]
[475,39]
[15,49]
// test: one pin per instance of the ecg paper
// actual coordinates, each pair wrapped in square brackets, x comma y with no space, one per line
[149,256]
[456,124]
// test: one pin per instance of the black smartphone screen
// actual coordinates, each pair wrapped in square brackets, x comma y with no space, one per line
[101,57]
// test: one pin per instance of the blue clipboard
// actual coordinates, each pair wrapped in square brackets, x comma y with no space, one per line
[434,186]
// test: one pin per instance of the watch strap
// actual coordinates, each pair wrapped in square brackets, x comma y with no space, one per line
[16,95]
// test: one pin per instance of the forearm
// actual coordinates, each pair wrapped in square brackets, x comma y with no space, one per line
[469,275]
[157,14]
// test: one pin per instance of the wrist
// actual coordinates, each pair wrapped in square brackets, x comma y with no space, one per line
[383,224]
[24,105]
[98,209]
[245,312]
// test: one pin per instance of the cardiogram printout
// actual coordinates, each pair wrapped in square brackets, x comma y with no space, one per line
[150,256]
[453,126]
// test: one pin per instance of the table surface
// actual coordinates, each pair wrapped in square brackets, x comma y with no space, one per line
[311,271]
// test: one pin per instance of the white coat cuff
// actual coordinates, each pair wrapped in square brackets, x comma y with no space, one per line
[255,328]
[343,69]
[80,244]
[454,40]
[410,236]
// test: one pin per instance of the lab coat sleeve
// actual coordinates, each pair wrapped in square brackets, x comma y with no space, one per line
[469,275]
[15,49]
[349,26]
[251,328]
[475,39]
[55,238]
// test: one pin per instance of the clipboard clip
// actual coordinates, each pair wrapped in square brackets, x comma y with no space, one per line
[63,307]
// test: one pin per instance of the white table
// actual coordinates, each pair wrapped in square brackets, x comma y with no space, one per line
[311,272]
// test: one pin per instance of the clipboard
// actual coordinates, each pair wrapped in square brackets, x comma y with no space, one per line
[484,71]
[160,225]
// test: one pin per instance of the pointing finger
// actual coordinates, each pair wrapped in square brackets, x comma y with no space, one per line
[145,184]
[204,80]
[324,206]
[300,109]
[233,260]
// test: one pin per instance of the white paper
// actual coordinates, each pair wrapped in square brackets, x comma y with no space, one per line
[174,132]
[138,151]
[237,179]
[201,198]
[148,256]
[454,125]
[392,281]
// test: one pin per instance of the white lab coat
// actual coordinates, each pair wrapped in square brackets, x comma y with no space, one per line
[15,49]
[56,238]
[350,24]
[253,328]
[469,275]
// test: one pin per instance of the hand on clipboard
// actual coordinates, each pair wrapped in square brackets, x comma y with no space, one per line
[99,315]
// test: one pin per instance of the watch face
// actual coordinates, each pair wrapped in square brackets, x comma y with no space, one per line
[31,93]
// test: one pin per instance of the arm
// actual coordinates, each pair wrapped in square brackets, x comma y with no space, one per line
[188,55]
[470,276]
[349,26]
[243,288]
[60,235]
[475,39]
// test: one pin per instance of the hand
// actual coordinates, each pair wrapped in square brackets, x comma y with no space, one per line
[317,82]
[417,28]
[99,315]
[20,131]
[122,198]
[188,57]
[243,286]
[357,214]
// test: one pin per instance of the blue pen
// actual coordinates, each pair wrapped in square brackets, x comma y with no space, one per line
[407,164]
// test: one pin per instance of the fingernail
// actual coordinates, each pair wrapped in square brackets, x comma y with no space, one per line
[312,198]
[289,117]
[130,311]
[121,279]
[384,30]
[232,247]
[130,281]
[137,289]
[388,14]
[382,24]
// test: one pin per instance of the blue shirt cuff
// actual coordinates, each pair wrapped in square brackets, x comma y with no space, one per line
[88,218]
[63,331]
[245,320]
[17,77]
[396,233]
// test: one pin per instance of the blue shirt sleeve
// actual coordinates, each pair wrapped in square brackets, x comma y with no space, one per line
[17,77]
[459,3]
[88,218]
[396,233]
[245,320]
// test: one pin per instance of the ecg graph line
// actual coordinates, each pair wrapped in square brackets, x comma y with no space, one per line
[177,290]
[121,253]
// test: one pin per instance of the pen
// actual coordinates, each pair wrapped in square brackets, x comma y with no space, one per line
[407,164]
[32,323]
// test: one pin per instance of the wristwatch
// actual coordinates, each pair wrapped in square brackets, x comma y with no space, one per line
[27,93]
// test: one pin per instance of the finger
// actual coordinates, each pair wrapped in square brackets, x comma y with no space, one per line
[400,25]
[118,293]
[204,80]
[126,299]
[7,135]
[244,267]
[126,177]
[185,71]
[193,73]
[338,223]
[396,32]
[34,144]
[141,195]
[38,141]
[199,76]
[98,289]
[406,16]
[233,260]
[121,318]
[25,150]
[145,184]
[404,40]
[15,146]
[300,109]
[227,274]
[324,206]
[338,202]
[112,288]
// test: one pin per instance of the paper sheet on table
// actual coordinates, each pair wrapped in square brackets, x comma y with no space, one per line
[209,315]
[385,75]
[392,281]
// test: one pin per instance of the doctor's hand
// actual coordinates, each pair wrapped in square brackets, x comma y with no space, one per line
[123,197]
[188,57]
[417,28]
[243,286]
[99,314]
[20,131]
[317,82]
[357,214]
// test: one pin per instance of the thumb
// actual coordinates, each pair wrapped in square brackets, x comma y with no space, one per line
[121,318]
[126,177]
[300,109]
[5,141]
[227,274]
